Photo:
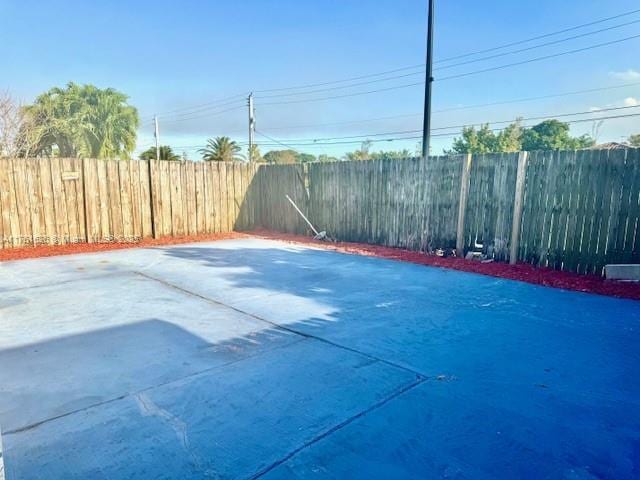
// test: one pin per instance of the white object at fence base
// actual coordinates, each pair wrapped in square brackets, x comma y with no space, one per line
[628,272]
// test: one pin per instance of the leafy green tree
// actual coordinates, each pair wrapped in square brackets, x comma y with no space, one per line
[222,149]
[510,139]
[634,140]
[281,156]
[483,140]
[360,154]
[83,120]
[305,157]
[553,135]
[326,158]
[166,153]
[548,135]
[391,155]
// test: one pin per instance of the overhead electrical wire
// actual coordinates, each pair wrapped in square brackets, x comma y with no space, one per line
[538,37]
[211,114]
[517,119]
[276,141]
[544,57]
[421,72]
[464,74]
[220,102]
[464,55]
[325,141]
[462,107]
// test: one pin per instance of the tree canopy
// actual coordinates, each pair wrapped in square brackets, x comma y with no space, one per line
[553,135]
[83,120]
[281,156]
[221,149]
[166,153]
[634,140]
[547,135]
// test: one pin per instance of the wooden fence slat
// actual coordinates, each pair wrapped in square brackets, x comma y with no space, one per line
[125,200]
[59,201]
[10,228]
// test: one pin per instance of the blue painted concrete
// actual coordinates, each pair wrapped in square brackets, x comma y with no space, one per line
[258,359]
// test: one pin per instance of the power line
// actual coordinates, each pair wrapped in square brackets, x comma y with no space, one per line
[464,55]
[537,59]
[421,72]
[461,107]
[311,142]
[546,35]
[533,47]
[465,74]
[213,104]
[541,97]
[186,111]
[276,141]
[522,119]
[206,115]
[290,144]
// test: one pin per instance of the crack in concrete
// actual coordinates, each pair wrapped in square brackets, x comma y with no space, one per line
[146,389]
[64,282]
[282,327]
[339,426]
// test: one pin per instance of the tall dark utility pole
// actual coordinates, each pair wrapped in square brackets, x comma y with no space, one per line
[426,125]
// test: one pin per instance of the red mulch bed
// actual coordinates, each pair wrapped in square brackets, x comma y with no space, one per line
[21,253]
[523,272]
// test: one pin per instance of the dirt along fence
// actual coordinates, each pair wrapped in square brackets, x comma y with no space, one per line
[568,210]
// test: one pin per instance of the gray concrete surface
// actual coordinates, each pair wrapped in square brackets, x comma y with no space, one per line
[1,459]
[253,358]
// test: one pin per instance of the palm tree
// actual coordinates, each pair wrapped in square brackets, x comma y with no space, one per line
[166,153]
[222,149]
[83,120]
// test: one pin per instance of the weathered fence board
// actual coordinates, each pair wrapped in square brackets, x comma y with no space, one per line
[268,189]
[490,203]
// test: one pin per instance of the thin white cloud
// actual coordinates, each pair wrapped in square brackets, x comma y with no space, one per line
[631,102]
[629,75]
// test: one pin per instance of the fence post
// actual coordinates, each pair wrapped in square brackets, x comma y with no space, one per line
[517,207]
[85,201]
[462,207]
[152,212]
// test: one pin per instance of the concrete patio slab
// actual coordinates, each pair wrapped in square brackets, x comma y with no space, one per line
[259,359]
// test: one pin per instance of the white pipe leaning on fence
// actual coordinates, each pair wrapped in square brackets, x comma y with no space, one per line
[317,234]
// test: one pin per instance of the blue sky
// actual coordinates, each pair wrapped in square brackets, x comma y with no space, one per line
[169,55]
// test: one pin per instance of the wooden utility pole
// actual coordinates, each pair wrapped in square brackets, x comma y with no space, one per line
[252,126]
[426,125]
[157,135]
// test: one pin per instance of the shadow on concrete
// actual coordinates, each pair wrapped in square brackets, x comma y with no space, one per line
[67,374]
[520,385]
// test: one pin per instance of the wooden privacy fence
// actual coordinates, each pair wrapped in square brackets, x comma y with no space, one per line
[57,201]
[568,210]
